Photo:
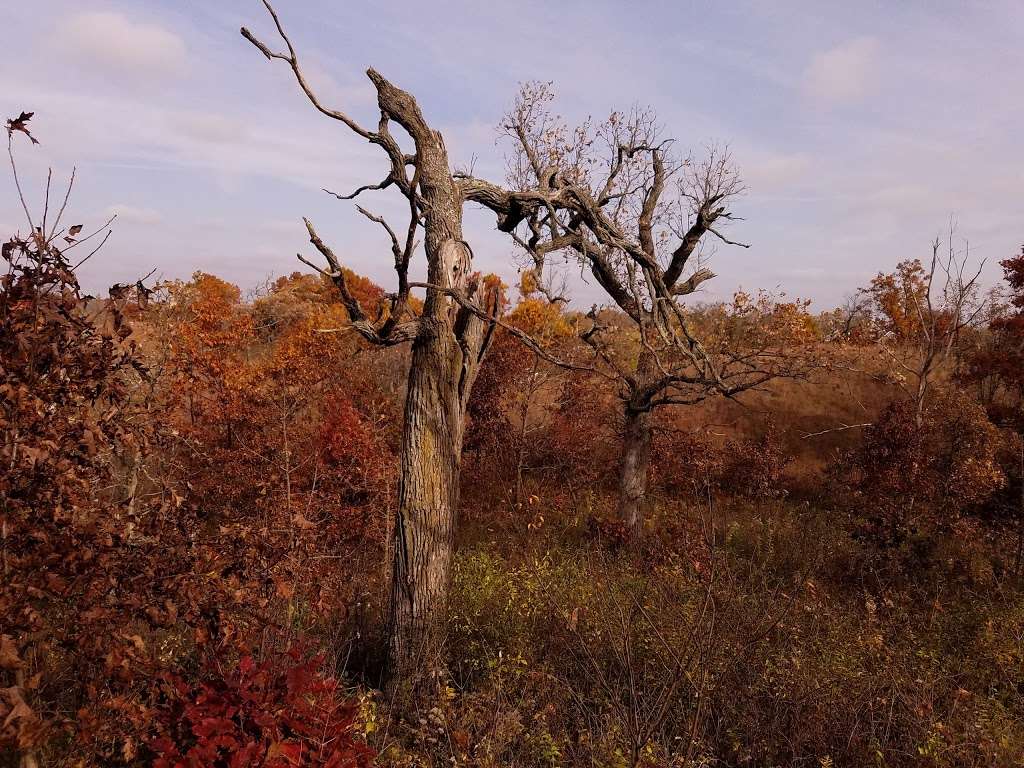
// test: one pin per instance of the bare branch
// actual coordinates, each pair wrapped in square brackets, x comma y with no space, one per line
[395,247]
[693,282]
[17,181]
[840,428]
[726,240]
[91,235]
[293,62]
[365,188]
[94,250]
[336,274]
[63,205]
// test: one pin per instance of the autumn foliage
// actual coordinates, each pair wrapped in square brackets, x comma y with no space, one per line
[89,566]
[277,713]
[199,489]
[107,568]
[912,480]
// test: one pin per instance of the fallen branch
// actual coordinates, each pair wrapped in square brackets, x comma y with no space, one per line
[841,428]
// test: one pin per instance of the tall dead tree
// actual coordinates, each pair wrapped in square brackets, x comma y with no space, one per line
[449,338]
[555,201]
[448,343]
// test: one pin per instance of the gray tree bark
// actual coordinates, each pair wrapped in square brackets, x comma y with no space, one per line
[427,502]
[445,360]
[634,469]
[633,473]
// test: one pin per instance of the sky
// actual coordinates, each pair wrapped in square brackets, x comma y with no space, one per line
[862,130]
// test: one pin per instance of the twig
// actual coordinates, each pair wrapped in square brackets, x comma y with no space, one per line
[841,428]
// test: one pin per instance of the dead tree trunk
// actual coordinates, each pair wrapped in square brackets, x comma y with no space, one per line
[446,352]
[428,499]
[636,447]
[633,474]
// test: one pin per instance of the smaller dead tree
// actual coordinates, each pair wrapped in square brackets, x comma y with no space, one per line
[632,213]
[920,315]
[852,315]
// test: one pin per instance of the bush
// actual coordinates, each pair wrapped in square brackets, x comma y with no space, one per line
[278,713]
[909,480]
[693,463]
[552,656]
[92,566]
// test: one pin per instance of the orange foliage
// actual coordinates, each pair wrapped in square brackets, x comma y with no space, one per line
[898,298]
[542,320]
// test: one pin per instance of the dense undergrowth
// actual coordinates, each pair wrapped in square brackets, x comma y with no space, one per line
[800,651]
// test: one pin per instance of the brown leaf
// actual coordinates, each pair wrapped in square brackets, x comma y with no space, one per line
[56,583]
[20,123]
[9,658]
[285,589]
[19,723]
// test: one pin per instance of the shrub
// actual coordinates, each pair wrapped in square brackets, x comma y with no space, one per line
[691,463]
[908,480]
[91,565]
[278,713]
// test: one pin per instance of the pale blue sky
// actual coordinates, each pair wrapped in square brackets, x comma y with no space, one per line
[860,128]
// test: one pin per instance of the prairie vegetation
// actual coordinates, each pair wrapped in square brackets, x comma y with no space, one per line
[467,523]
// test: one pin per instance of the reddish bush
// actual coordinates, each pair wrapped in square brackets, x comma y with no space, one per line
[687,463]
[358,470]
[906,478]
[754,466]
[581,443]
[92,566]
[692,462]
[500,378]
[279,713]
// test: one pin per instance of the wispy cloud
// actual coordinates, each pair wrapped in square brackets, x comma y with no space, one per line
[123,47]
[133,214]
[843,74]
